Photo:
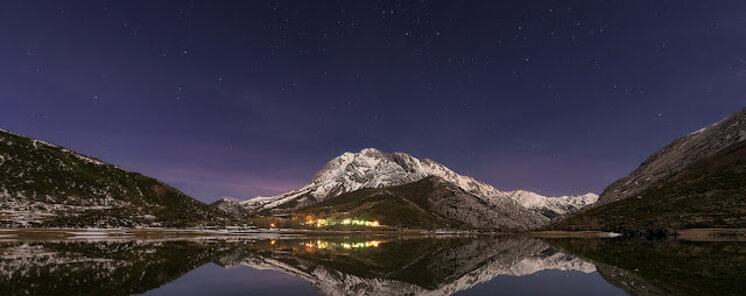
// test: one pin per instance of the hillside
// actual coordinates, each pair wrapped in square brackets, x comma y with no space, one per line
[675,157]
[46,185]
[708,193]
[431,203]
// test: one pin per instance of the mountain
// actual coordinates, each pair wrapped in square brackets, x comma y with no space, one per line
[371,168]
[675,157]
[231,206]
[430,203]
[46,185]
[698,181]
[553,207]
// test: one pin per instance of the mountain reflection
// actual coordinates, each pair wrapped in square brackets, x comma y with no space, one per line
[334,266]
[422,266]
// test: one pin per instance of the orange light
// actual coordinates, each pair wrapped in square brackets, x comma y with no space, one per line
[321,244]
[272,225]
[272,242]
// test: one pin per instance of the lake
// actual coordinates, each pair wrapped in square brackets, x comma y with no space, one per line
[370,265]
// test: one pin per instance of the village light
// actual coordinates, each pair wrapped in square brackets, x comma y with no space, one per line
[347,221]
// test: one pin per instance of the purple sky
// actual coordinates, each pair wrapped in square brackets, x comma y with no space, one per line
[222,98]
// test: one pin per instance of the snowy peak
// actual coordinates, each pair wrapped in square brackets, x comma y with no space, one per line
[371,168]
[553,206]
[229,199]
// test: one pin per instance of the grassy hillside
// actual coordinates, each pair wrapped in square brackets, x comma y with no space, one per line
[403,206]
[46,185]
[709,193]
[431,203]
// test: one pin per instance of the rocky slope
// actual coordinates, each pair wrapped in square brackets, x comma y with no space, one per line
[46,185]
[699,181]
[371,168]
[710,193]
[681,153]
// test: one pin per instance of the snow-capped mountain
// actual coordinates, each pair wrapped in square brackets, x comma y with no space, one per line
[230,205]
[552,206]
[371,168]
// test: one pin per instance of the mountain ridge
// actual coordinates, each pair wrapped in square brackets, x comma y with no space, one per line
[675,156]
[42,184]
[371,168]
[697,181]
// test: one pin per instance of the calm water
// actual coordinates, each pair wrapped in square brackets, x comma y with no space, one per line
[361,265]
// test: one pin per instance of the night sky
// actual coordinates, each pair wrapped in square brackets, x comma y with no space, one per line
[220,98]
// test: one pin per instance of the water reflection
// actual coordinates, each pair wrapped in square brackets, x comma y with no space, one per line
[403,266]
[365,266]
[667,267]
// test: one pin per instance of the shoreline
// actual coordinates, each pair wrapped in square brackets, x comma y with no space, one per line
[22,234]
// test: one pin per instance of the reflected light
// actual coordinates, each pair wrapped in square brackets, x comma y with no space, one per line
[320,244]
